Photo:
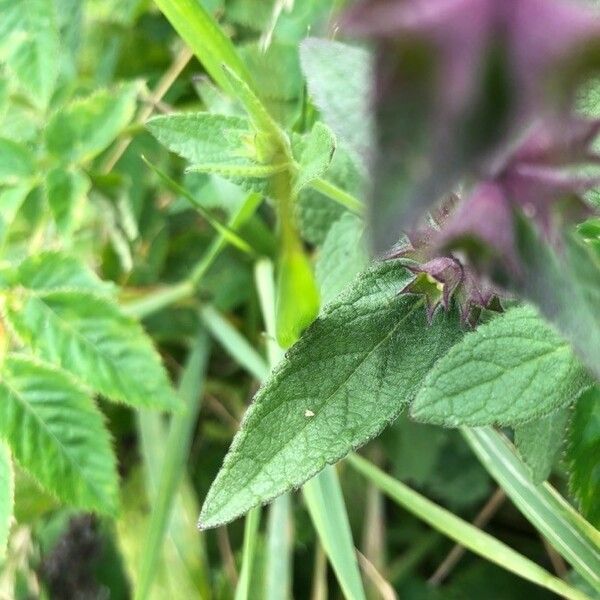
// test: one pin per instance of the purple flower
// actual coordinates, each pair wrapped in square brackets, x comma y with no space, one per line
[536,180]
[456,81]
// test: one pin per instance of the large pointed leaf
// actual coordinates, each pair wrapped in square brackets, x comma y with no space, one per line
[56,433]
[7,492]
[351,373]
[508,371]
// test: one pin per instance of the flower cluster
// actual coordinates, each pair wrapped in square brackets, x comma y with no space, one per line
[479,93]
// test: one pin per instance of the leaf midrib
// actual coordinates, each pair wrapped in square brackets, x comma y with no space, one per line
[325,402]
[31,410]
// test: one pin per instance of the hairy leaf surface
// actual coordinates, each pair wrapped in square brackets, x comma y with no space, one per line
[219,144]
[508,371]
[89,336]
[204,138]
[87,126]
[56,433]
[50,270]
[7,499]
[583,454]
[342,256]
[540,440]
[317,153]
[338,77]
[351,373]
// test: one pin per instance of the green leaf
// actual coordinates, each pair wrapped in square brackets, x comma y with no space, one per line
[351,373]
[206,138]
[462,532]
[87,126]
[317,153]
[66,191]
[29,38]
[327,66]
[57,434]
[583,454]
[7,497]
[219,144]
[316,212]
[564,288]
[11,200]
[342,257]
[540,440]
[325,502]
[570,535]
[88,335]
[51,270]
[508,371]
[16,162]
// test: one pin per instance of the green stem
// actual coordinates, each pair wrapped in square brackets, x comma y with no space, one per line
[166,296]
[158,299]
[179,438]
[463,532]
[340,196]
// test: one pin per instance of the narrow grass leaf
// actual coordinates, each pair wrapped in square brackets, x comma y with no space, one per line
[572,537]
[325,503]
[464,533]
[172,469]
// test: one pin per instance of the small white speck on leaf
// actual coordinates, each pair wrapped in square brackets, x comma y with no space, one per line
[309,413]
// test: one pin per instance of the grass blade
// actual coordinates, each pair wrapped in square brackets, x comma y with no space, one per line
[278,578]
[206,39]
[325,504]
[242,592]
[570,535]
[234,343]
[323,494]
[279,544]
[173,465]
[462,532]
[223,230]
